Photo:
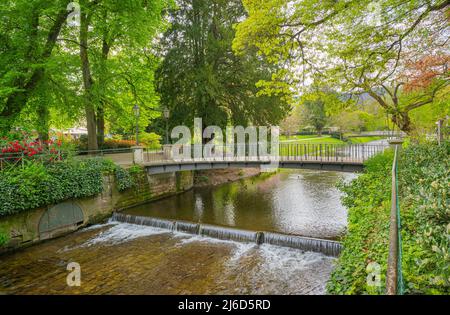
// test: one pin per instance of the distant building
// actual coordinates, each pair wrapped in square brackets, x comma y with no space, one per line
[74,133]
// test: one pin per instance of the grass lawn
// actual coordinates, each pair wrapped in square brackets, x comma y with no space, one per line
[311,139]
[364,139]
[324,139]
[314,139]
[297,137]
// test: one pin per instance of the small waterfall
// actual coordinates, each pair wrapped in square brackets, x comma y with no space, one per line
[259,238]
[327,247]
[227,234]
[148,221]
[186,227]
[330,248]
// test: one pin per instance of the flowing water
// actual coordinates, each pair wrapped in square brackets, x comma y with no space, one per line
[124,258]
[300,202]
[327,247]
[155,255]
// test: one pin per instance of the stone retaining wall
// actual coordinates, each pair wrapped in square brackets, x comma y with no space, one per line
[24,228]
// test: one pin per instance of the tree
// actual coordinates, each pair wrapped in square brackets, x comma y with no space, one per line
[348,121]
[29,31]
[201,77]
[315,115]
[351,46]
[125,28]
[95,71]
[320,103]
[291,124]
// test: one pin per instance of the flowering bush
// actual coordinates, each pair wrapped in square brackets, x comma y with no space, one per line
[14,151]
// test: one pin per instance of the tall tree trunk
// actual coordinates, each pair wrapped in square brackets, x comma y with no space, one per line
[101,106]
[43,120]
[101,125]
[87,83]
[403,122]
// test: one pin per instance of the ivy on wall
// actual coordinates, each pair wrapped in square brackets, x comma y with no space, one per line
[37,184]
[4,238]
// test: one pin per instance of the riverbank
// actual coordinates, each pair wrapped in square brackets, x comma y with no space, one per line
[423,193]
[109,193]
[123,258]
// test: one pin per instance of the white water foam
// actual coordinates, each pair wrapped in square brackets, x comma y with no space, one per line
[240,248]
[123,232]
[290,269]
[300,272]
[289,258]
[99,226]
[89,228]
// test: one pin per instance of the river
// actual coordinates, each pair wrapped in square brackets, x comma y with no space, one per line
[122,258]
[301,202]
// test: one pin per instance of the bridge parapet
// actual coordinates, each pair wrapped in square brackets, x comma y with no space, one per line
[324,152]
[289,155]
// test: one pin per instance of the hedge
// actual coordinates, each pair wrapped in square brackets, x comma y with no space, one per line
[37,184]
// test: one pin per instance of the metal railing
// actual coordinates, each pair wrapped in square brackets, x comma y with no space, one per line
[357,153]
[14,159]
[394,276]
[102,152]
[20,158]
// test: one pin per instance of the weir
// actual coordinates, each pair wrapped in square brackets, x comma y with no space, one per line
[228,234]
[327,247]
[330,248]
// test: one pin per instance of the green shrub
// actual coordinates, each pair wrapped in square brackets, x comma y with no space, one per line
[136,170]
[424,193]
[201,179]
[35,184]
[150,140]
[4,238]
[367,198]
[124,179]
[424,177]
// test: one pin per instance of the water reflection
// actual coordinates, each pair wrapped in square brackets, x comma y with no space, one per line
[303,202]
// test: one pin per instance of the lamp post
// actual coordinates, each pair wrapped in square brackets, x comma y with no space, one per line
[136,114]
[166,114]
